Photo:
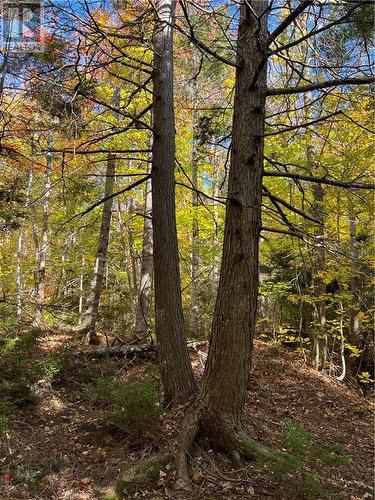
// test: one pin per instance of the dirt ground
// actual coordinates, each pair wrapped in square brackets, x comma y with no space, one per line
[61,450]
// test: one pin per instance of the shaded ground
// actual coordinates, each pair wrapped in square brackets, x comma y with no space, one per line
[62,448]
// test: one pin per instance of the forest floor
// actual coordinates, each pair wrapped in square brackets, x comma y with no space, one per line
[62,447]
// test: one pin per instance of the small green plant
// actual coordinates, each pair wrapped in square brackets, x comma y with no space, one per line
[301,458]
[29,475]
[18,370]
[365,378]
[134,407]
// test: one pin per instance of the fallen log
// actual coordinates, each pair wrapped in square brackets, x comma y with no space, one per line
[143,351]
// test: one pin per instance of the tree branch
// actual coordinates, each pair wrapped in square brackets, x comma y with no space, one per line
[288,20]
[281,231]
[321,180]
[303,125]
[290,207]
[320,85]
[103,200]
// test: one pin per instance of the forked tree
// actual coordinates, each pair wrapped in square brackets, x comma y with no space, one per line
[217,409]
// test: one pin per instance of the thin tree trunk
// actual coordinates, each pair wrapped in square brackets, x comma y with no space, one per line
[218,408]
[88,323]
[132,254]
[43,247]
[176,371]
[354,281]
[318,283]
[194,289]
[142,329]
[215,195]
[20,251]
[80,303]
[342,344]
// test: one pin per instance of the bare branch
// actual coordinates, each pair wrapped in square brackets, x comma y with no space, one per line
[288,20]
[321,85]
[321,180]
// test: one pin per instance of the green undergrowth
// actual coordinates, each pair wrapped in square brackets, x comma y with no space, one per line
[18,370]
[132,408]
[302,458]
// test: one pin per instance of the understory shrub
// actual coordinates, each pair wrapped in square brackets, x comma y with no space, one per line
[133,406]
[303,458]
[18,369]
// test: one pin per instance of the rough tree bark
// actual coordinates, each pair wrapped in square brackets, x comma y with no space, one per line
[175,367]
[217,410]
[141,317]
[90,315]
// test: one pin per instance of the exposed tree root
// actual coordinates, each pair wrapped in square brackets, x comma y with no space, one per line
[188,436]
[221,436]
[139,475]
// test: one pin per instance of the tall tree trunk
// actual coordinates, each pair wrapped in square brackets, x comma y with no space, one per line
[215,195]
[319,314]
[218,408]
[354,281]
[141,317]
[43,244]
[80,302]
[355,306]
[194,289]
[20,251]
[176,371]
[132,254]
[88,323]
[89,318]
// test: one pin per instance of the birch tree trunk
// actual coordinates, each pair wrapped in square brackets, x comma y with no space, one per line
[142,329]
[20,252]
[175,367]
[43,244]
[319,314]
[80,302]
[90,315]
[355,289]
[217,410]
[354,281]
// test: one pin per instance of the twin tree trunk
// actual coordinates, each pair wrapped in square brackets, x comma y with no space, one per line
[217,410]
[233,325]
[175,367]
